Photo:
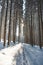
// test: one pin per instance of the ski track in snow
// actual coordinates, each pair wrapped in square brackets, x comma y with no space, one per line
[21,54]
[36,56]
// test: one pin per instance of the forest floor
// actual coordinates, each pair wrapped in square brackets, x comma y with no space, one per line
[21,54]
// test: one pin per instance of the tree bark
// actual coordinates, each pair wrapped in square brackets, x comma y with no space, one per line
[5,24]
[40,23]
[2,13]
[9,32]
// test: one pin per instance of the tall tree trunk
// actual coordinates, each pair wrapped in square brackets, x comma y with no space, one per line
[2,13]
[14,27]
[40,23]
[5,24]
[14,23]
[31,33]
[26,32]
[19,26]
[9,33]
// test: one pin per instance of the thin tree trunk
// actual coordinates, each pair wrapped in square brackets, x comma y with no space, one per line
[31,33]
[19,27]
[40,23]
[9,33]
[5,24]
[14,27]
[14,21]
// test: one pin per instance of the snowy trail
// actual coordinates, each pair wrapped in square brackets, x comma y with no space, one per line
[29,56]
[21,54]
[36,56]
[21,59]
[26,59]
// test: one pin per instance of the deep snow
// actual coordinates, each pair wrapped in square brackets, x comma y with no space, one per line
[21,54]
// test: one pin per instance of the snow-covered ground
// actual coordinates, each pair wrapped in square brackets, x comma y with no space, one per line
[21,54]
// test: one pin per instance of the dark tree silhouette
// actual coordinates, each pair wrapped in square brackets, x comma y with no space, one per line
[9,33]
[5,23]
